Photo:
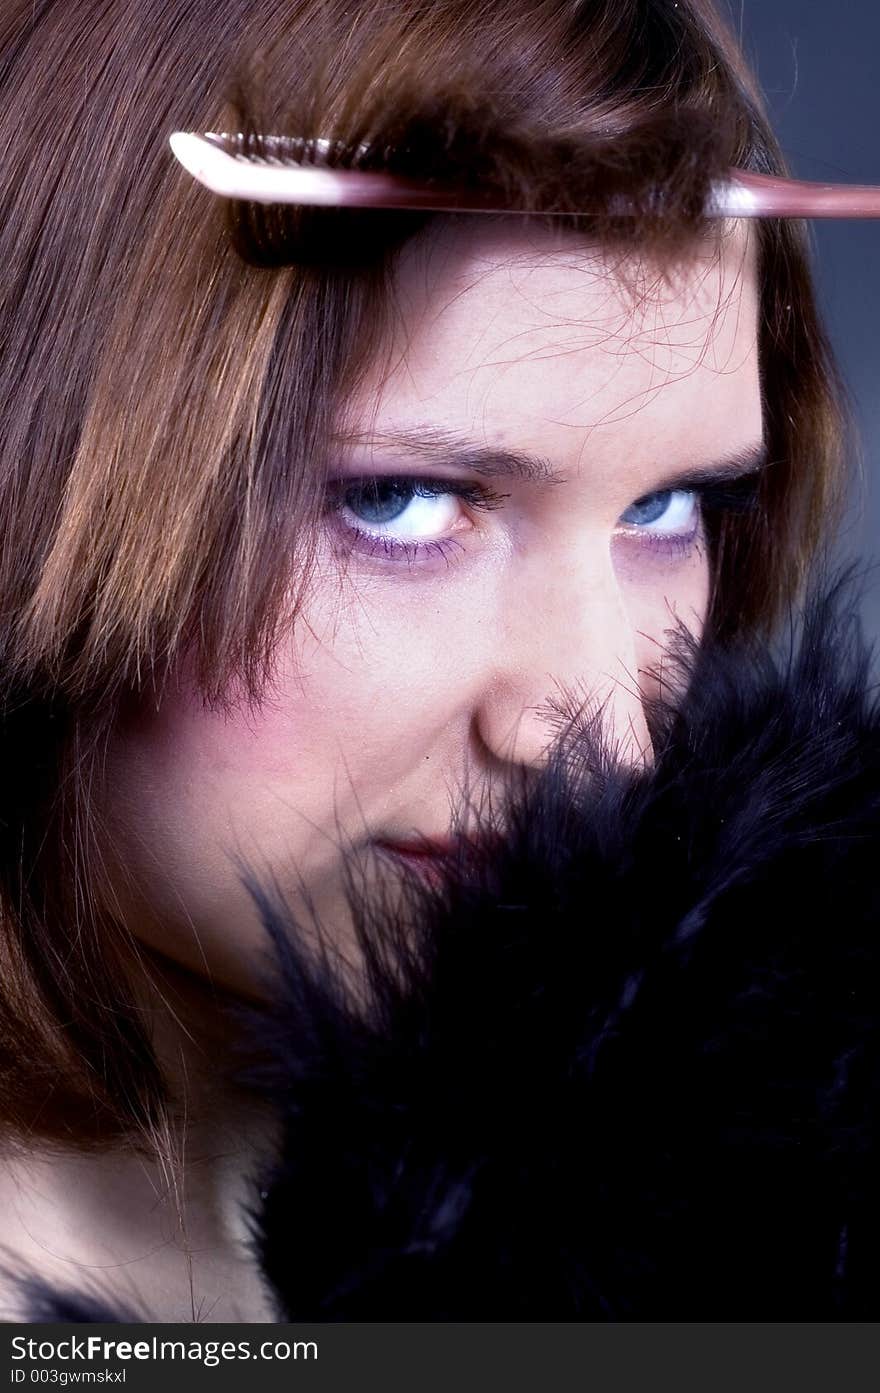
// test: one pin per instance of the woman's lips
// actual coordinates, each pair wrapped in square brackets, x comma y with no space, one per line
[430,853]
[426,848]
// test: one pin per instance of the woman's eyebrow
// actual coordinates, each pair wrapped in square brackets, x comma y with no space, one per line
[444,447]
[436,446]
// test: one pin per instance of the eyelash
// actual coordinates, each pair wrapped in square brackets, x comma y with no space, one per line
[738,495]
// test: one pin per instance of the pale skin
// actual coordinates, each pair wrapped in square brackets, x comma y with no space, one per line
[414,674]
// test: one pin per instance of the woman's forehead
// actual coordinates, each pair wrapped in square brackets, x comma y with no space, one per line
[514,331]
[532,277]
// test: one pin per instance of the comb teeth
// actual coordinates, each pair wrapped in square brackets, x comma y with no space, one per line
[283,150]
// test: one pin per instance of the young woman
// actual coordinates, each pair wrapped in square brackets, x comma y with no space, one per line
[317,523]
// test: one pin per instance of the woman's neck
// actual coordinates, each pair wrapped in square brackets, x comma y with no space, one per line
[166,1236]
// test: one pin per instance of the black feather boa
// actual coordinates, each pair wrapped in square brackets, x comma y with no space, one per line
[629,1066]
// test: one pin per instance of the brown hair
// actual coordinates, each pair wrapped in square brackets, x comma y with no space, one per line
[173,365]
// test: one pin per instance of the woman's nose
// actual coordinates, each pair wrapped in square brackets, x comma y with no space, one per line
[571,648]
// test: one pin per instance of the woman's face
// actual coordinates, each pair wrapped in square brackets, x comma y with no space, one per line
[505,530]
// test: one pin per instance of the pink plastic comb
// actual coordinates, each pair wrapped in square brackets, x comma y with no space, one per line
[283,175]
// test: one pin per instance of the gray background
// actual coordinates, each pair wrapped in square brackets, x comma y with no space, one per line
[818,66]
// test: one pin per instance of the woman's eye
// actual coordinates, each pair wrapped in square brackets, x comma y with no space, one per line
[406,510]
[667,511]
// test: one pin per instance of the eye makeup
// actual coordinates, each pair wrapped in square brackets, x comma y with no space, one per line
[713,498]
[387,497]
